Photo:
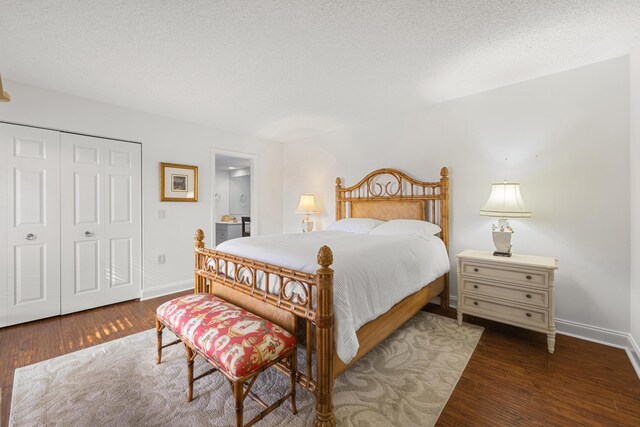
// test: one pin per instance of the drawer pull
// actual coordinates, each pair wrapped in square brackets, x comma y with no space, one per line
[528,295]
[475,303]
[528,314]
[528,276]
[476,269]
[475,286]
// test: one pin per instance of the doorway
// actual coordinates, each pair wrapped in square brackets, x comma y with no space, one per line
[233,196]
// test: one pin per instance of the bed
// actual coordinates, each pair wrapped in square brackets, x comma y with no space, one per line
[275,278]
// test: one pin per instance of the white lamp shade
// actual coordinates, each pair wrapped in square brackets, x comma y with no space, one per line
[506,201]
[307,204]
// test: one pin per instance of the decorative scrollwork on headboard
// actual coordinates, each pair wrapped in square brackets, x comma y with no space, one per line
[391,193]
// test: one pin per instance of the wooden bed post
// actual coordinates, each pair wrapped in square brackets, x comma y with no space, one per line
[198,283]
[324,340]
[444,224]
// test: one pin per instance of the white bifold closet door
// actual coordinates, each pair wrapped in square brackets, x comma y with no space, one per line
[100,222]
[30,218]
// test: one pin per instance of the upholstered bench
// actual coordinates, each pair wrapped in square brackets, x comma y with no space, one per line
[234,341]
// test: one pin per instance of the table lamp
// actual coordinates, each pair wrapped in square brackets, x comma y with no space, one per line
[307,206]
[504,202]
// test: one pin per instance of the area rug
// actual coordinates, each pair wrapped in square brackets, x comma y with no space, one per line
[405,381]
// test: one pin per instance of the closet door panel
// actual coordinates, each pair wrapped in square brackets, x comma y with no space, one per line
[32,235]
[101,225]
[120,203]
[121,262]
[30,273]
[29,186]
[86,198]
[84,274]
[123,226]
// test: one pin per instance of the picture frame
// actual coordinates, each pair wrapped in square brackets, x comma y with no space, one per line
[178,183]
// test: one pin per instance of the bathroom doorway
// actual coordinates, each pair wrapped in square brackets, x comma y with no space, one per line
[233,196]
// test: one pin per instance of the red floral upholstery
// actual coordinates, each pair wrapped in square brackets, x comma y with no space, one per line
[238,341]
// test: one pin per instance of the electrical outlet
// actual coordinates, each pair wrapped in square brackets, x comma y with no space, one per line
[161,259]
[161,214]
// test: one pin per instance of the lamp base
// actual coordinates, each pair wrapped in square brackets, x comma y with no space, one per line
[496,253]
[502,241]
[307,224]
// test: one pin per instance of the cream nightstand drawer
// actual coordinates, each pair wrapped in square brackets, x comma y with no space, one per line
[534,296]
[509,313]
[511,274]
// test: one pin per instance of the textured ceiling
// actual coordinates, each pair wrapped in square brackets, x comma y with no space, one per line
[287,69]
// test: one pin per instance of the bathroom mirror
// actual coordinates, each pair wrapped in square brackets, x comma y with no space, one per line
[240,195]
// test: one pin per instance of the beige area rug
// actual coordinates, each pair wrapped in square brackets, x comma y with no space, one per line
[404,381]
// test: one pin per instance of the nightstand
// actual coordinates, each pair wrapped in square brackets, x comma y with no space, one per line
[517,290]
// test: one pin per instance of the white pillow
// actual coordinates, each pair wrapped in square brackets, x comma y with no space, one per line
[355,225]
[407,227]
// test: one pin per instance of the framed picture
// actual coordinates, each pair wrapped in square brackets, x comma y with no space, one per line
[178,183]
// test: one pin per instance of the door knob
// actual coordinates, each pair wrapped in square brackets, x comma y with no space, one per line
[31,236]
[88,234]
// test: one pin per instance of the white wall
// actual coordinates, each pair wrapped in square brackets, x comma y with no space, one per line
[566,139]
[163,140]
[634,73]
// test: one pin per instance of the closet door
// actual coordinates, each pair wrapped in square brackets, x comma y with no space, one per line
[123,207]
[32,245]
[100,222]
[82,248]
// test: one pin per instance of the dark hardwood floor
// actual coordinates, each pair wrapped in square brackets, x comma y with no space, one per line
[510,380]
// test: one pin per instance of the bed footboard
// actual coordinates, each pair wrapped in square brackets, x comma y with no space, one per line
[282,296]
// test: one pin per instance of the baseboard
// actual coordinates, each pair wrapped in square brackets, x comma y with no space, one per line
[171,288]
[633,351]
[592,333]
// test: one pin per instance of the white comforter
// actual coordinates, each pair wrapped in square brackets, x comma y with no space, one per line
[372,273]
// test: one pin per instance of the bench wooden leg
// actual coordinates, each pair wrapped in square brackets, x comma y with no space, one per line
[238,396]
[159,327]
[191,355]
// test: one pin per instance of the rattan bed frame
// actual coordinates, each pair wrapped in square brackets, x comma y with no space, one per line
[383,194]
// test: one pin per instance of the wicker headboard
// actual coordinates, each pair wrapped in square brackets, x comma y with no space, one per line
[391,194]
